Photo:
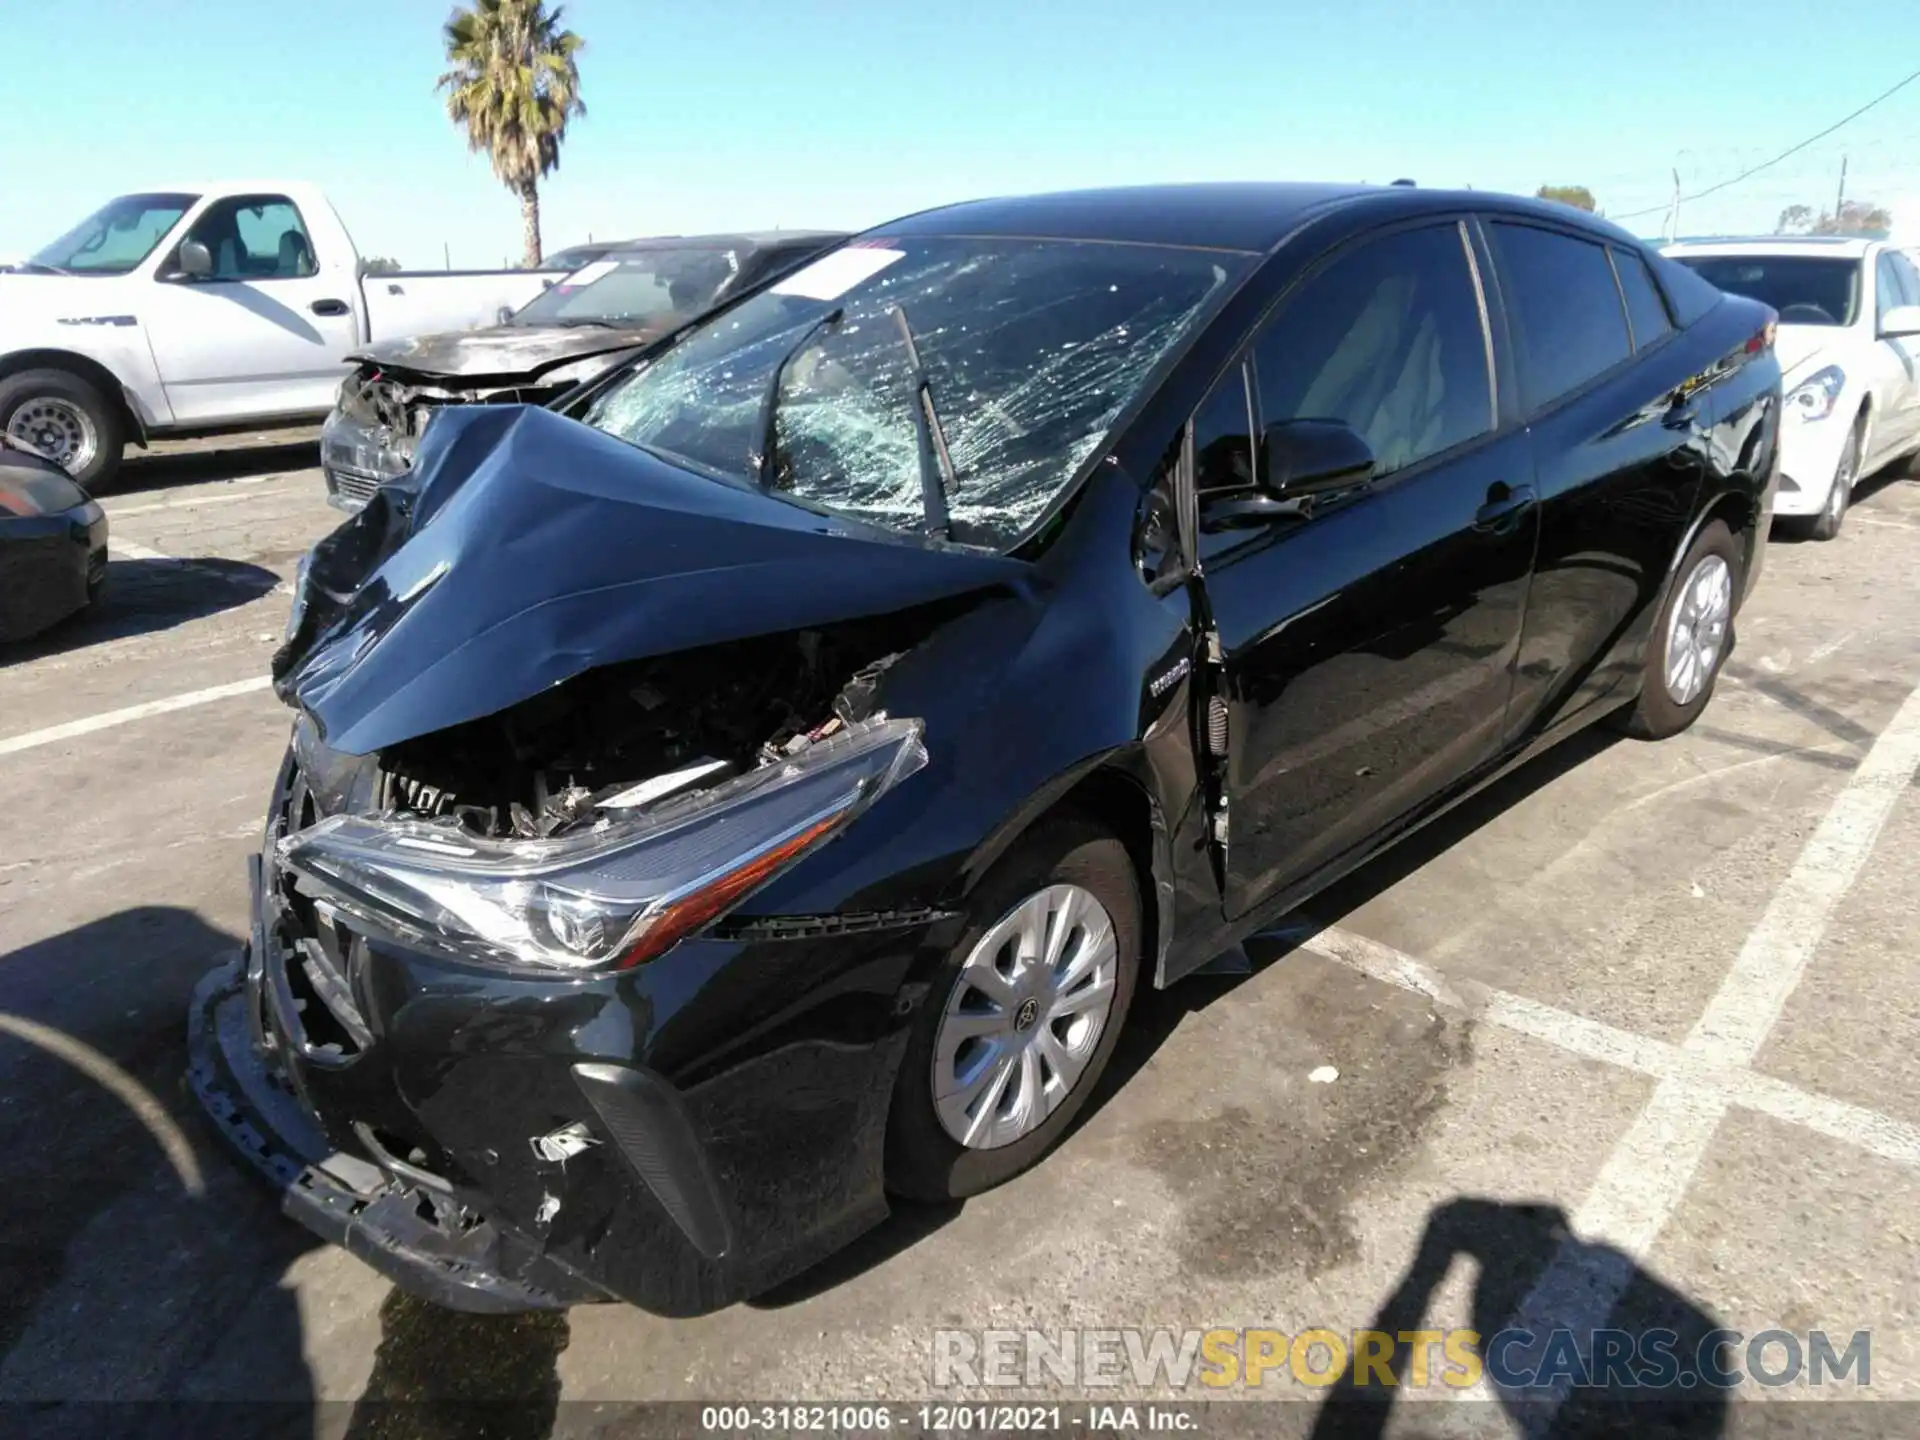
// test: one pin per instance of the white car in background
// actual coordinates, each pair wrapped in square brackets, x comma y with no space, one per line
[1849,347]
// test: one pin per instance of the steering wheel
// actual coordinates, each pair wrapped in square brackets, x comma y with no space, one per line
[1805,315]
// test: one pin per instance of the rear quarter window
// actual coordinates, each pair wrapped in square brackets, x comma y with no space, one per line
[1690,296]
[1645,308]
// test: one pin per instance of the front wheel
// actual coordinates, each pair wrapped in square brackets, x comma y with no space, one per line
[65,418]
[1021,1019]
[1691,638]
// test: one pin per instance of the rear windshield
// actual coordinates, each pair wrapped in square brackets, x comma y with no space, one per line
[1803,289]
[1031,351]
[635,287]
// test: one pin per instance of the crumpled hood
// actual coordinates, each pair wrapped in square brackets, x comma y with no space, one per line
[502,352]
[1798,346]
[524,548]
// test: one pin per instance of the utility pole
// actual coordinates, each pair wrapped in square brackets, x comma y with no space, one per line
[1673,211]
[1840,200]
[446,254]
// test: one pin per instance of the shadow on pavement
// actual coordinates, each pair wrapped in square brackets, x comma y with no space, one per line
[143,597]
[233,457]
[1653,1389]
[139,1263]
[439,1375]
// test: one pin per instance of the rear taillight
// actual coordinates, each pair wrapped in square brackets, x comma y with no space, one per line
[1763,339]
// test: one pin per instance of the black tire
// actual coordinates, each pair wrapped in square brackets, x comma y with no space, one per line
[924,1162]
[1826,524]
[1656,714]
[109,427]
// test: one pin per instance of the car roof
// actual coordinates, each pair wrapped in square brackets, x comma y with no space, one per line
[729,240]
[1251,216]
[1845,247]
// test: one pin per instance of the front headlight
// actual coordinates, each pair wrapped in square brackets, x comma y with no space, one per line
[1814,397]
[612,896]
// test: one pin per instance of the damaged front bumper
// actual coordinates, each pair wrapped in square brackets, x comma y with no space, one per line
[358,456]
[679,1137]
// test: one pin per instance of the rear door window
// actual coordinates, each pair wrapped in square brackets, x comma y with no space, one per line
[1645,309]
[1568,314]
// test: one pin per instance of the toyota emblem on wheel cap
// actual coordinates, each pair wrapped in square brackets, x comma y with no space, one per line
[1028,1012]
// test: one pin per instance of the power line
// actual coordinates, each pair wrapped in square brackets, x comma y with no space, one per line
[1768,164]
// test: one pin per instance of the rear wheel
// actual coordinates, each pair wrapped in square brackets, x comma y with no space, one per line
[1690,640]
[64,417]
[1826,524]
[1021,1019]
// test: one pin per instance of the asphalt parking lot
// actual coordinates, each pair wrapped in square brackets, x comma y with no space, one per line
[1662,992]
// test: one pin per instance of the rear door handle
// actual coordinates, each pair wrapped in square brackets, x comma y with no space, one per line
[328,307]
[1504,502]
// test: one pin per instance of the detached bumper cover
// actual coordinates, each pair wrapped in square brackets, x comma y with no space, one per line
[421,1240]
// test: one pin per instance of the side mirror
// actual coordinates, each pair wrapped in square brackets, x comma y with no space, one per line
[503,315]
[1900,320]
[1310,457]
[196,261]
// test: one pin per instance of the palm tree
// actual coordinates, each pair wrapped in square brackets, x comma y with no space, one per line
[513,87]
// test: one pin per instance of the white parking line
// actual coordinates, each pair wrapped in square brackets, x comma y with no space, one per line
[73,729]
[191,503]
[1882,1135]
[127,550]
[1646,1177]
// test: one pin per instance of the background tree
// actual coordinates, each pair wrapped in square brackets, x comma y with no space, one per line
[1578,196]
[512,87]
[379,265]
[1856,217]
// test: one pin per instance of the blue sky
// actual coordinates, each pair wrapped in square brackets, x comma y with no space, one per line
[845,112]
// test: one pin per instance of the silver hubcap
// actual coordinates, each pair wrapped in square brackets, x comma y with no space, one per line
[1698,629]
[58,429]
[1024,1017]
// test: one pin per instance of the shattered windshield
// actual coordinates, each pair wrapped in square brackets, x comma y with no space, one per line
[116,237]
[1030,349]
[634,287]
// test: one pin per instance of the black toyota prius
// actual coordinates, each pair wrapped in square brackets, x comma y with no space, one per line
[754,791]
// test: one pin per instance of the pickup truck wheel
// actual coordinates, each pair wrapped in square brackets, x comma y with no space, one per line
[1021,1018]
[1690,640]
[66,418]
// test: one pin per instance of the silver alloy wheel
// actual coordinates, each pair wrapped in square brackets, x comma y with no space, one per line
[1697,631]
[59,429]
[1024,1017]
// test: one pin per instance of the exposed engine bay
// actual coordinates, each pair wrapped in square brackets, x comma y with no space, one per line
[605,739]
[402,403]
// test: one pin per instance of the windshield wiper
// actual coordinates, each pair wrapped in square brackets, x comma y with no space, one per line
[38,267]
[936,464]
[763,458]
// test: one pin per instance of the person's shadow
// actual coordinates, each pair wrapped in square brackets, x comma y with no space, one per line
[1515,1245]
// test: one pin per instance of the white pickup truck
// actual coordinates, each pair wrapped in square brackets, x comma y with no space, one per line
[175,312]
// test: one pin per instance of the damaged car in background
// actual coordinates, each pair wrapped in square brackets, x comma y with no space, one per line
[751,793]
[628,295]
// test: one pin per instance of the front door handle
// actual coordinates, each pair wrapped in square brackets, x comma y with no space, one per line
[328,307]
[1504,503]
